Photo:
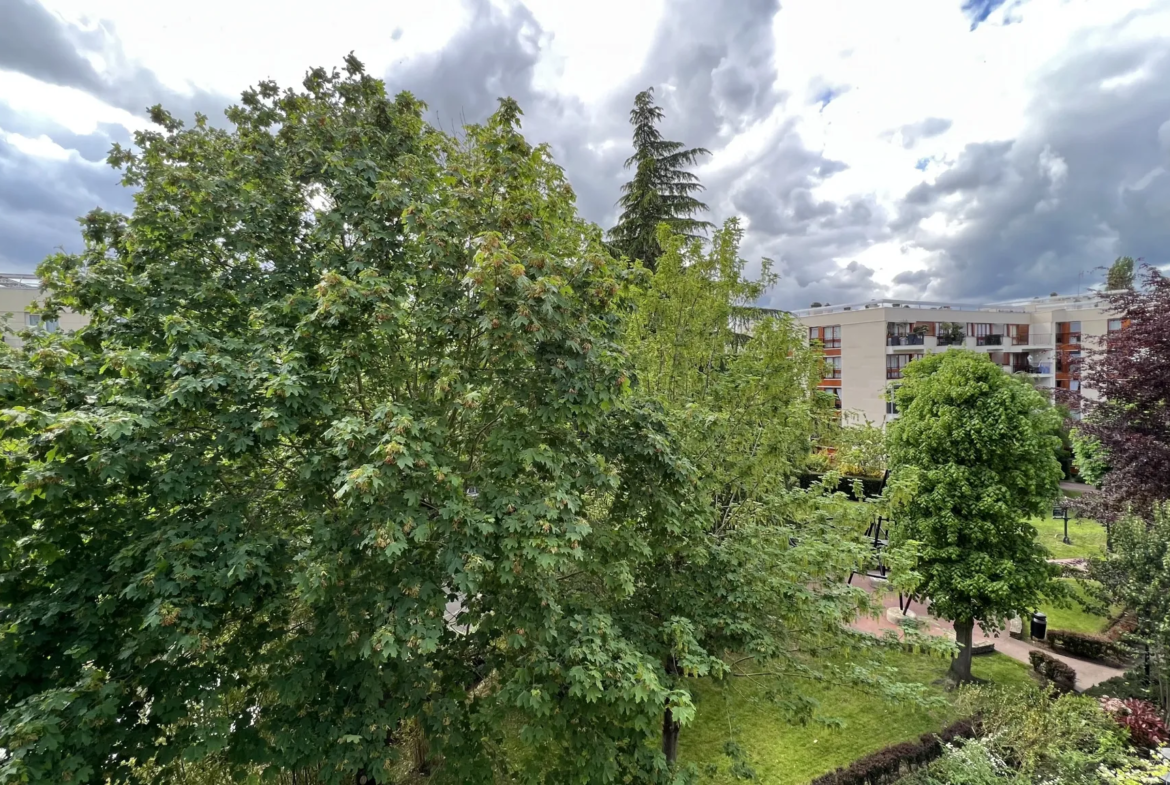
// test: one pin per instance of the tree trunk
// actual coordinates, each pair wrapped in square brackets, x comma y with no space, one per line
[420,750]
[669,737]
[961,664]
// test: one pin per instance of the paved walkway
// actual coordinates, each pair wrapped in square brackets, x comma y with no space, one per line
[1079,487]
[1089,674]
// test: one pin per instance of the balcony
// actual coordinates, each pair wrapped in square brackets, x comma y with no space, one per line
[989,340]
[905,340]
[951,340]
[893,373]
[1068,338]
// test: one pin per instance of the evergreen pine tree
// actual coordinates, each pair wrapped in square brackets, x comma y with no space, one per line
[662,190]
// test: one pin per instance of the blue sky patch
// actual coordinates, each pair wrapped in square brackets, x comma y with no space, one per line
[978,10]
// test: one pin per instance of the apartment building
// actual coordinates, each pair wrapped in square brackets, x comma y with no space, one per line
[18,291]
[867,345]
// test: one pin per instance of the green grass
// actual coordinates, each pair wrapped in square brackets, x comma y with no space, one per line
[1075,618]
[781,752]
[1088,537]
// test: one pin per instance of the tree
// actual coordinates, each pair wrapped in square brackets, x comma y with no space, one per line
[764,576]
[1128,412]
[347,426]
[662,191]
[1136,576]
[1120,274]
[1089,457]
[861,449]
[979,448]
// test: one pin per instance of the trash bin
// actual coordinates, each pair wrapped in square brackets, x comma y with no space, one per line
[1039,625]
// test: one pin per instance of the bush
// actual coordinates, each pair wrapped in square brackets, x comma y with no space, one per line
[1141,718]
[892,763]
[1045,736]
[1053,670]
[1080,644]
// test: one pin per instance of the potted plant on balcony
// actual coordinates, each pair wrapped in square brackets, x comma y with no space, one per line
[950,334]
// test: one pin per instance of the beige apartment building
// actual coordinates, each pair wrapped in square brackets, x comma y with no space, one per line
[18,291]
[867,345]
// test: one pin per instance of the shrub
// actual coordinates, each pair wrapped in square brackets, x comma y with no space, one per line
[892,763]
[1053,670]
[1141,718]
[1080,644]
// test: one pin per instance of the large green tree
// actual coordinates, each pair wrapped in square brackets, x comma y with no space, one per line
[977,448]
[346,448]
[760,588]
[662,191]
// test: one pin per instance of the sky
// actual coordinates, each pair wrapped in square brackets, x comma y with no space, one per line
[973,150]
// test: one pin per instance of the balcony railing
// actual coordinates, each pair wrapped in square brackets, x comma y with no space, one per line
[1068,338]
[893,373]
[950,340]
[905,340]
[989,340]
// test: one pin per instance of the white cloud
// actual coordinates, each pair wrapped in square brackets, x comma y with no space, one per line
[897,92]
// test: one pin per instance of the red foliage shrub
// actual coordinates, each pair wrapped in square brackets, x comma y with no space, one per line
[1146,727]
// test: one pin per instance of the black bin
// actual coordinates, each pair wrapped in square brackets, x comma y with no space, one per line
[1039,625]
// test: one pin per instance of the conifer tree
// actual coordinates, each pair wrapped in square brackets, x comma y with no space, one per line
[662,191]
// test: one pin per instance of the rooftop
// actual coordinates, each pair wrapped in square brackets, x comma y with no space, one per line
[1067,302]
[19,281]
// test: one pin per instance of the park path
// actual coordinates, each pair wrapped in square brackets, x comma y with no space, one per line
[1089,674]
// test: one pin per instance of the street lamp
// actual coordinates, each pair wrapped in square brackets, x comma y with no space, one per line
[1061,513]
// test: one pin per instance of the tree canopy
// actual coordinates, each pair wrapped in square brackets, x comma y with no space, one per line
[1120,274]
[347,447]
[765,575]
[1127,414]
[978,447]
[662,191]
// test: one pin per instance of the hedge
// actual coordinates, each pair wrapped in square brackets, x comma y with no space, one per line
[1052,669]
[890,764]
[1091,647]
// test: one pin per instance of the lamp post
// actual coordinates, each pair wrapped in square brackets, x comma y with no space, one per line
[1061,513]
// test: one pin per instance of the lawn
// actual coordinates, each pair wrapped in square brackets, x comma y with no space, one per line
[780,752]
[1088,537]
[1074,617]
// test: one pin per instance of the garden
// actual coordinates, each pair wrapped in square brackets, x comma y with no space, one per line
[376,462]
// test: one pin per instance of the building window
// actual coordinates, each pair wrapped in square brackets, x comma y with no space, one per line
[829,337]
[832,367]
[896,362]
[1114,325]
[34,321]
[1068,332]
[978,330]
[833,337]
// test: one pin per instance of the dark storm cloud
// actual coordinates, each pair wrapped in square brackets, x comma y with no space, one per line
[40,200]
[1087,181]
[39,44]
[712,70]
[92,147]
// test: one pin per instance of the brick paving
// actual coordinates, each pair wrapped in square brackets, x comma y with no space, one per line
[1089,674]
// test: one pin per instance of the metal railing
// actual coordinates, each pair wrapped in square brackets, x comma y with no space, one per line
[19,281]
[905,340]
[989,340]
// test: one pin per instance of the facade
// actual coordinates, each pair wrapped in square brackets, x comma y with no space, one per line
[18,291]
[867,345]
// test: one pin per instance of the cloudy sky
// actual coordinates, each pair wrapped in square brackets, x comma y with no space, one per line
[933,149]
